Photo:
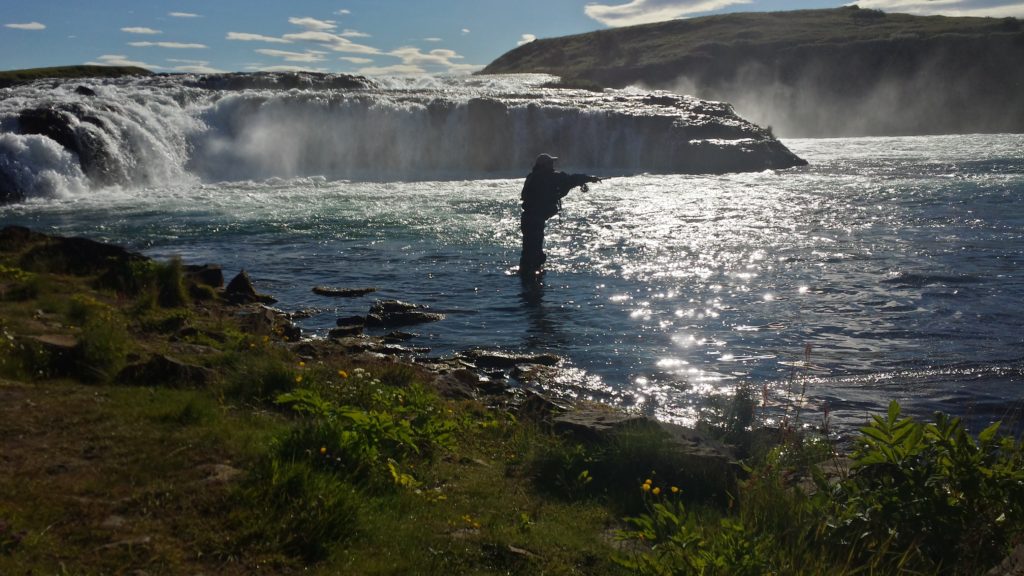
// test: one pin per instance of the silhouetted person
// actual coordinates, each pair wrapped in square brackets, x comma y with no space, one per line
[542,199]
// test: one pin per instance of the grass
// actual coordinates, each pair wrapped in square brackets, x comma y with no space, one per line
[578,56]
[14,77]
[283,464]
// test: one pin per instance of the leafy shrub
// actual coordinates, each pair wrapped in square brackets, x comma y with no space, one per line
[931,495]
[365,443]
[922,498]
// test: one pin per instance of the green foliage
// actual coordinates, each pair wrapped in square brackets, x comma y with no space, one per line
[682,542]
[104,341]
[931,495]
[17,284]
[364,444]
[922,498]
[259,376]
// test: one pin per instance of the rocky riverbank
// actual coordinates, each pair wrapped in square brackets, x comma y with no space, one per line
[155,420]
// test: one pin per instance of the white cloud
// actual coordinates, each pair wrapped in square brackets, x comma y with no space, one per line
[526,39]
[183,15]
[26,26]
[167,45]
[946,8]
[119,60]
[438,57]
[648,11]
[307,56]
[396,70]
[465,30]
[432,39]
[348,33]
[140,30]
[343,12]
[247,37]
[331,41]
[313,23]
[356,59]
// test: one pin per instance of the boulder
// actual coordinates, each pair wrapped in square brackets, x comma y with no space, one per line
[1012,565]
[208,274]
[351,321]
[263,321]
[346,330]
[398,313]
[160,369]
[241,291]
[342,292]
[85,91]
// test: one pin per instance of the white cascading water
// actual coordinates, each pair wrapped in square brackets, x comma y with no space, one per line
[61,138]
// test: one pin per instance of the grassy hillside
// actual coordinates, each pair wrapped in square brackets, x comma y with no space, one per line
[14,77]
[800,71]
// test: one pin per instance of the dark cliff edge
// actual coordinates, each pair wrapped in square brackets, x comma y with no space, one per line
[10,78]
[836,72]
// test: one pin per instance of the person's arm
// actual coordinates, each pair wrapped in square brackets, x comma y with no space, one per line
[569,181]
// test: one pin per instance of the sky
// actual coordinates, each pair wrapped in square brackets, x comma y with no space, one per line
[368,37]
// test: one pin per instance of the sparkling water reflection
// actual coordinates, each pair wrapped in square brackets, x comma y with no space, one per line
[888,268]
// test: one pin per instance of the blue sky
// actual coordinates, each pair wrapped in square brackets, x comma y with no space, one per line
[371,37]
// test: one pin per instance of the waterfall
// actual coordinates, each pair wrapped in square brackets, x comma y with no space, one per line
[66,138]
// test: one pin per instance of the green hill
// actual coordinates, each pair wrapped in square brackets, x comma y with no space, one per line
[844,71]
[15,77]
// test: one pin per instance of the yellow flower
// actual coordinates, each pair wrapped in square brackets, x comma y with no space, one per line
[648,481]
[646,487]
[342,373]
[323,449]
[656,491]
[298,379]
[301,363]
[675,489]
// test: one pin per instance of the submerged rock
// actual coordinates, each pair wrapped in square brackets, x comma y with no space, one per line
[503,360]
[398,313]
[342,292]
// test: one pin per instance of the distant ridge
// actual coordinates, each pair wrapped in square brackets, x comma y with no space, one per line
[837,72]
[15,77]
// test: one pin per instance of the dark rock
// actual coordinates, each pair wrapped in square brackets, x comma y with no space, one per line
[10,191]
[60,350]
[64,125]
[458,384]
[241,291]
[1012,565]
[342,292]
[208,274]
[14,238]
[541,406]
[505,360]
[595,422]
[164,370]
[263,321]
[398,313]
[351,321]
[398,336]
[55,124]
[79,257]
[346,330]
[85,91]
